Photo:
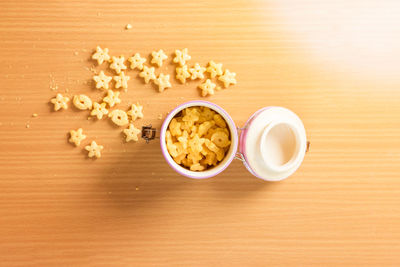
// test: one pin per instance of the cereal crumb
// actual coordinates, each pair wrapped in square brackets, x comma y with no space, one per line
[128,26]
[137,188]
[160,116]
[27,125]
[76,53]
[34,115]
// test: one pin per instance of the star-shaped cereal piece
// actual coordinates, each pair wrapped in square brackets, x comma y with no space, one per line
[215,69]
[118,64]
[121,80]
[137,61]
[99,110]
[207,88]
[228,78]
[158,57]
[94,150]
[181,56]
[163,82]
[101,55]
[136,112]
[131,133]
[102,80]
[60,102]
[119,117]
[182,73]
[76,136]
[147,74]
[197,72]
[192,115]
[112,98]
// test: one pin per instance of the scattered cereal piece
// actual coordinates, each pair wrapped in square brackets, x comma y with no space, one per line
[182,73]
[158,57]
[137,61]
[102,80]
[197,72]
[35,115]
[119,117]
[112,98]
[128,26]
[121,80]
[131,133]
[82,102]
[207,88]
[118,64]
[147,74]
[99,110]
[101,55]
[215,69]
[94,150]
[76,136]
[136,112]
[163,82]
[228,78]
[181,56]
[60,102]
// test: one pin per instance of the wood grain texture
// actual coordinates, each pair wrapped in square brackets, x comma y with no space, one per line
[334,63]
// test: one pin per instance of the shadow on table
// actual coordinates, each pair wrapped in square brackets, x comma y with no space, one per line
[141,178]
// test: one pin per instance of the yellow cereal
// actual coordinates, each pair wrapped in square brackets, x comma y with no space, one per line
[219,121]
[163,82]
[60,102]
[215,69]
[76,137]
[82,102]
[112,98]
[178,159]
[220,154]
[221,139]
[191,115]
[99,110]
[101,55]
[207,88]
[118,64]
[196,143]
[181,56]
[102,80]
[204,127]
[131,133]
[197,167]
[119,117]
[228,78]
[121,80]
[158,57]
[194,156]
[197,72]
[136,111]
[182,73]
[147,74]
[207,113]
[137,61]
[94,150]
[183,139]
[174,127]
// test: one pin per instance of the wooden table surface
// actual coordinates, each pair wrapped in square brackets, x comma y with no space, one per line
[335,63]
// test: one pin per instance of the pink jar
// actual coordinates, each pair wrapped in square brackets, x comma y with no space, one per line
[271,145]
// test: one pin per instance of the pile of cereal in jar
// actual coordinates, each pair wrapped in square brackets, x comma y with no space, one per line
[197,138]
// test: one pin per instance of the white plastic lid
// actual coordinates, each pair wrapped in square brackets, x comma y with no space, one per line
[273,143]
